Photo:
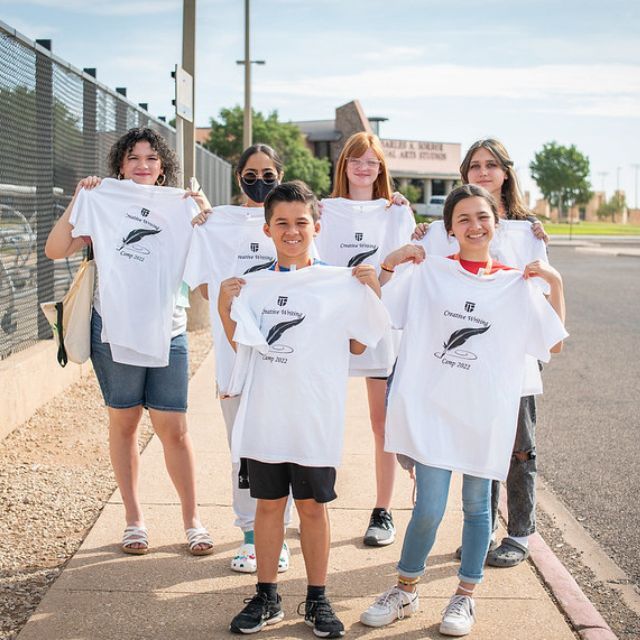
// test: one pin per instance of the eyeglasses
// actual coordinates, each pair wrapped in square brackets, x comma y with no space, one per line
[366,164]
[269,177]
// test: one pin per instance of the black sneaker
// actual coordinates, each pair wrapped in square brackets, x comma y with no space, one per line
[258,612]
[319,614]
[381,531]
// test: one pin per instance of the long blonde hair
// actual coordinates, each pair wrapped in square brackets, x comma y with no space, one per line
[510,191]
[355,147]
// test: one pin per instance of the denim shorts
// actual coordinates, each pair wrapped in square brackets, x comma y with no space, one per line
[124,386]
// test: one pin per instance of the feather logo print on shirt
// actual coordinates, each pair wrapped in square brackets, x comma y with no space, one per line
[275,333]
[457,339]
[135,235]
[359,258]
[260,267]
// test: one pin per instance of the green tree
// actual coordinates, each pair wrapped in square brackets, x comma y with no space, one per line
[561,173]
[225,140]
[616,204]
[411,193]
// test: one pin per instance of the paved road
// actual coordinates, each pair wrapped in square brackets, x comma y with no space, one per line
[589,425]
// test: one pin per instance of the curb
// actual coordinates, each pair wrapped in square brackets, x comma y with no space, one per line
[584,617]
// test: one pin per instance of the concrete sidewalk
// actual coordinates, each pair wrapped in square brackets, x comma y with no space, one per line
[168,594]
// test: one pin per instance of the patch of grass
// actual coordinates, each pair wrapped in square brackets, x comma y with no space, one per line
[593,228]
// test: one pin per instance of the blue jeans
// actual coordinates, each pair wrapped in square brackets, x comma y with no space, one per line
[432,490]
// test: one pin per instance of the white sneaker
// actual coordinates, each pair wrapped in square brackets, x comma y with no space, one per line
[283,560]
[392,605]
[458,617]
[245,559]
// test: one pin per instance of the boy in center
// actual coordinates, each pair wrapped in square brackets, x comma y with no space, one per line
[295,325]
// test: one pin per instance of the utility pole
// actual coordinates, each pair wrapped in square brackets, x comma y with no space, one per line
[635,168]
[618,170]
[247,134]
[189,65]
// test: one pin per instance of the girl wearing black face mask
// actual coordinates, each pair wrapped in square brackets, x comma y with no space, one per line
[259,170]
[231,243]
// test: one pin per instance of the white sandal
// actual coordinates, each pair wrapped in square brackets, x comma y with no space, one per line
[135,535]
[196,536]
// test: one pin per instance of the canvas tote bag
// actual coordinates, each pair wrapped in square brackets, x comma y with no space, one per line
[70,318]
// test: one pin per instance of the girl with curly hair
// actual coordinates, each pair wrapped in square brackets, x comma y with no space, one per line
[142,156]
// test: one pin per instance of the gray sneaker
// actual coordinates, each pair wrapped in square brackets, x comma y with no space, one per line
[394,604]
[381,531]
[458,617]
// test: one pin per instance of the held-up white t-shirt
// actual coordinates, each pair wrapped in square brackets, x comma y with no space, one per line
[298,325]
[140,237]
[230,243]
[513,245]
[356,232]
[454,399]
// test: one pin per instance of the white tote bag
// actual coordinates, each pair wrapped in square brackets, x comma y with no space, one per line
[70,318]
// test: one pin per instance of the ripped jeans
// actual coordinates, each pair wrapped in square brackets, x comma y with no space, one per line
[521,480]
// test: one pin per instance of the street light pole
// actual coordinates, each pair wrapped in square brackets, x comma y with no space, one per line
[247,134]
[635,168]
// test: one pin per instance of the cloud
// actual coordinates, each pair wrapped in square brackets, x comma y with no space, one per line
[384,54]
[612,89]
[111,8]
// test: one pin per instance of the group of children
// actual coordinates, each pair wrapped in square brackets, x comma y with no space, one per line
[304,294]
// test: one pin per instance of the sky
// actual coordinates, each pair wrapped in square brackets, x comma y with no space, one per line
[526,72]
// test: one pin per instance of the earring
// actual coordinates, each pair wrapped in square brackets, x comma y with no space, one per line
[120,176]
[164,179]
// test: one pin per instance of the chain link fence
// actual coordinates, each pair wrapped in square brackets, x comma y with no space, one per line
[57,125]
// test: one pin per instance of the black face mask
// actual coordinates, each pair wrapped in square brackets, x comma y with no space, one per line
[258,190]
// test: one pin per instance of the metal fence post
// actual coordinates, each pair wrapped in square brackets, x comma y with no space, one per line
[89,125]
[44,179]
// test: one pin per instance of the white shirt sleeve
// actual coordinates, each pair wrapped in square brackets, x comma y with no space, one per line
[247,325]
[81,217]
[199,267]
[395,296]
[545,329]
[369,318]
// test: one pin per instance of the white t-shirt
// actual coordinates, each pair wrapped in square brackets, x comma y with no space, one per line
[513,245]
[454,399]
[140,237]
[230,243]
[298,325]
[356,232]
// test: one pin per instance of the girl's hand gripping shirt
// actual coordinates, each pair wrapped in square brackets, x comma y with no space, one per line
[298,325]
[357,232]
[140,237]
[454,399]
[230,243]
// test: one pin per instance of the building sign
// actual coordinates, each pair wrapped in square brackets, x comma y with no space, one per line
[419,157]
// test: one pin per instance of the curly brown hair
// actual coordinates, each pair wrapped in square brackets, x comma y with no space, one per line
[124,144]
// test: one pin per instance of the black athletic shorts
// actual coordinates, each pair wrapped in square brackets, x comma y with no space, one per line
[271,481]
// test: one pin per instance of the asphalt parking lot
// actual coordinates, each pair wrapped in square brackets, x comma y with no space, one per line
[589,424]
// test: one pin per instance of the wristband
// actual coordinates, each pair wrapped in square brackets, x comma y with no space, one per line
[387,268]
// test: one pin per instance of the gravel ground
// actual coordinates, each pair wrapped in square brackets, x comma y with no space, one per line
[623,621]
[55,477]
